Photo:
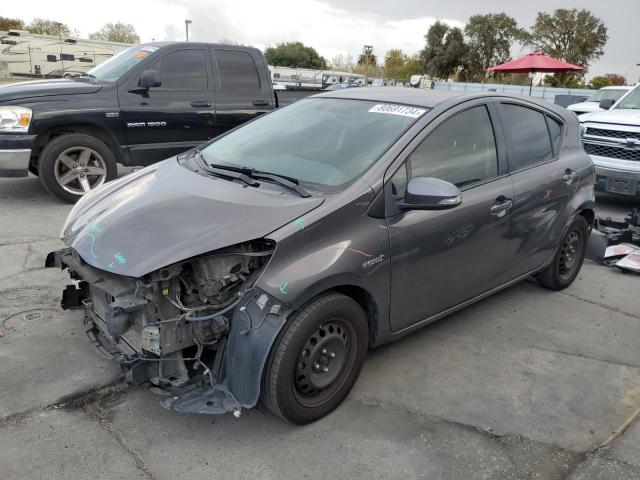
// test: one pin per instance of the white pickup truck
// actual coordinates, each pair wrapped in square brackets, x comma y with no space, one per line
[612,139]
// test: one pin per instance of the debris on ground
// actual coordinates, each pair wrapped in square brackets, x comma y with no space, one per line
[1,334]
[617,244]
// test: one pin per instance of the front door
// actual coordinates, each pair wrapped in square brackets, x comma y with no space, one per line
[441,258]
[171,118]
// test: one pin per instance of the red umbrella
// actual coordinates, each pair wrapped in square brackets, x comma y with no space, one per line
[535,62]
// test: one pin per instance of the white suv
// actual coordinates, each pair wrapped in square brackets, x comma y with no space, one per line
[612,139]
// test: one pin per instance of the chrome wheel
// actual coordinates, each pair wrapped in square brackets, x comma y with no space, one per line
[79,170]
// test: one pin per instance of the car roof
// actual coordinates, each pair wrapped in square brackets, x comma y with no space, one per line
[409,96]
[617,87]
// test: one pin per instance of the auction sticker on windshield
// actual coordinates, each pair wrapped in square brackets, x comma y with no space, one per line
[397,110]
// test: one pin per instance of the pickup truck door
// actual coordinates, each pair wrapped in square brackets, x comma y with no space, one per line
[243,87]
[177,115]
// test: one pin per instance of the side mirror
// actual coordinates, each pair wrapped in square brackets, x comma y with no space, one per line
[149,78]
[606,104]
[426,193]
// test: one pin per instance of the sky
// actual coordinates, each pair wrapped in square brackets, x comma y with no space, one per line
[331,26]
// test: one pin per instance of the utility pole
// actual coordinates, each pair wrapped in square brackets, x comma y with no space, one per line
[186,26]
[367,51]
[60,37]
[30,64]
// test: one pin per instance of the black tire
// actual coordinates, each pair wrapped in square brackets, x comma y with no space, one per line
[301,400]
[564,268]
[51,166]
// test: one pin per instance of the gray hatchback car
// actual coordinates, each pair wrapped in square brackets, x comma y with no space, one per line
[264,264]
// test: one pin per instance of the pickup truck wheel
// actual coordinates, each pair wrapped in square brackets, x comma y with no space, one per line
[316,359]
[73,164]
[566,264]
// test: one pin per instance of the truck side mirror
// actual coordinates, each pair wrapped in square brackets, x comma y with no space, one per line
[606,104]
[149,78]
[426,193]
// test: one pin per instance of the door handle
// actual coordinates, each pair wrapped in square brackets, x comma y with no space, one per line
[261,103]
[200,104]
[500,208]
[569,176]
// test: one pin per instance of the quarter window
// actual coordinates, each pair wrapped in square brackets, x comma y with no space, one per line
[237,70]
[530,142]
[462,150]
[555,130]
[183,70]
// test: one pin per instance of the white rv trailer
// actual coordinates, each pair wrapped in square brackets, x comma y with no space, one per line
[309,78]
[24,54]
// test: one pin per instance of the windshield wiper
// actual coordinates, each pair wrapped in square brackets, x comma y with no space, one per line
[288,182]
[225,171]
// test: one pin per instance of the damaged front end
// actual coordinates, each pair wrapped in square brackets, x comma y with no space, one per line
[197,330]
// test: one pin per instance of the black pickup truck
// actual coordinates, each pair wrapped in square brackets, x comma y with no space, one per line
[143,105]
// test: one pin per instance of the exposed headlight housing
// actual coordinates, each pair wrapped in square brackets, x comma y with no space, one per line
[15,119]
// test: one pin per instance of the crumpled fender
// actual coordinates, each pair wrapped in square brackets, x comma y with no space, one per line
[256,323]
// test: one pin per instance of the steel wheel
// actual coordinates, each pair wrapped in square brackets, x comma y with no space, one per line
[570,253]
[79,170]
[321,364]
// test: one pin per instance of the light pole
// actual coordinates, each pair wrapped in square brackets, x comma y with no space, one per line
[60,37]
[367,50]
[186,27]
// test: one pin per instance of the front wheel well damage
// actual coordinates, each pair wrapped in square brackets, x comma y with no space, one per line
[589,215]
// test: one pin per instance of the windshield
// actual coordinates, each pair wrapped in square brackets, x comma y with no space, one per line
[118,65]
[609,94]
[631,101]
[325,141]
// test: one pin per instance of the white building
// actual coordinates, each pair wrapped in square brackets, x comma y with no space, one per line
[24,54]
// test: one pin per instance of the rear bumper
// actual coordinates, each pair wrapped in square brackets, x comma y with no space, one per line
[15,154]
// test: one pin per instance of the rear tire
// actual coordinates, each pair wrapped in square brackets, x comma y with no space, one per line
[564,268]
[316,359]
[75,163]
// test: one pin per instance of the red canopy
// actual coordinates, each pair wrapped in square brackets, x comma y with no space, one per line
[535,62]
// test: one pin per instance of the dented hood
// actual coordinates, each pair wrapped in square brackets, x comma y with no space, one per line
[166,213]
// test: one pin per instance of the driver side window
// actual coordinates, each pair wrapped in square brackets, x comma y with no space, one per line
[461,150]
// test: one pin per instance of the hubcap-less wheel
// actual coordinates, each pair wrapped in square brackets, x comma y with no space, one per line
[570,253]
[322,361]
[79,170]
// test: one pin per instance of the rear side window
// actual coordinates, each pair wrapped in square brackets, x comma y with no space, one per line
[462,150]
[530,142]
[182,70]
[555,130]
[237,70]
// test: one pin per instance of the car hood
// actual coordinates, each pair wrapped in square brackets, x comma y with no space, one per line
[45,88]
[616,116]
[585,107]
[166,213]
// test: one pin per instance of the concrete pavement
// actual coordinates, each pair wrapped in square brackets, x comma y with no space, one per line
[526,384]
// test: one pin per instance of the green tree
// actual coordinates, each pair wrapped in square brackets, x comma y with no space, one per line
[413,66]
[11,24]
[575,36]
[444,52]
[607,80]
[44,26]
[295,55]
[489,38]
[116,32]
[394,63]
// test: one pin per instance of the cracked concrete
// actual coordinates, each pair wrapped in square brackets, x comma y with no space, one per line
[526,384]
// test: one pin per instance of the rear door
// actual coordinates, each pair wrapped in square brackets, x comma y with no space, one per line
[175,116]
[243,88]
[440,258]
[543,183]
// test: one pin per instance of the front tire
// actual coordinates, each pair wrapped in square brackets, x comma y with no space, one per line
[73,164]
[564,268]
[316,359]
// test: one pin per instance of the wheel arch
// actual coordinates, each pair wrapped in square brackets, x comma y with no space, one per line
[357,293]
[93,130]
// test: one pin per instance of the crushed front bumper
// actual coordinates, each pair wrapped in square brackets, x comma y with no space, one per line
[228,383]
